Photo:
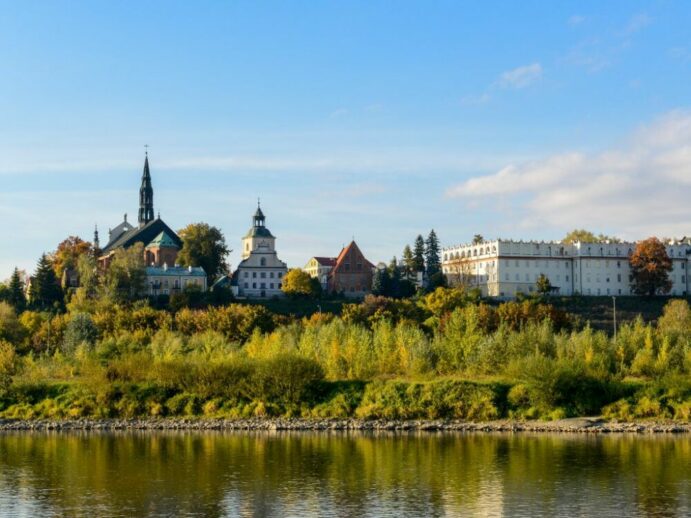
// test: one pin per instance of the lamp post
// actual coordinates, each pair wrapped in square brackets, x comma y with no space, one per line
[614,307]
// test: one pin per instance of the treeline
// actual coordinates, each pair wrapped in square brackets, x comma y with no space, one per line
[444,355]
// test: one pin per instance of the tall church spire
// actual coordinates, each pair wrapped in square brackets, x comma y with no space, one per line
[146,195]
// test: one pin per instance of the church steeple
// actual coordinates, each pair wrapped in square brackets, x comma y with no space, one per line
[97,244]
[259,218]
[146,195]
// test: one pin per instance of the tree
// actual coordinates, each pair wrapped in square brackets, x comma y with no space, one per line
[650,267]
[394,279]
[409,263]
[478,238]
[125,277]
[432,258]
[205,246]
[67,254]
[585,236]
[381,282]
[544,287]
[298,283]
[15,294]
[419,254]
[79,330]
[45,290]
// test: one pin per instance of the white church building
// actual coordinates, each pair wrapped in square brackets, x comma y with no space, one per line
[504,268]
[260,273]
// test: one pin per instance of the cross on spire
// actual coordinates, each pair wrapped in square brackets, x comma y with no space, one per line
[146,149]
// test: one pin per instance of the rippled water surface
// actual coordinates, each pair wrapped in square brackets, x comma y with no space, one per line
[339,474]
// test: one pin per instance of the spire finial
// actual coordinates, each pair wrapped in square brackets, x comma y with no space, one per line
[259,202]
[146,150]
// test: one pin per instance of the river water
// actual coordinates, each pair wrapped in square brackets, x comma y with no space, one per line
[342,474]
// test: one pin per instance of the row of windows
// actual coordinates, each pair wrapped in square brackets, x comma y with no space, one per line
[263,275]
[536,262]
[262,286]
[517,277]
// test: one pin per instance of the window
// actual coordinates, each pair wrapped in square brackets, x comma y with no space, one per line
[567,278]
[271,285]
[527,277]
[280,274]
[517,278]
[279,285]
[254,285]
[271,275]
[254,275]
[246,285]
[618,277]
[506,277]
[263,285]
[247,274]
[263,275]
[262,261]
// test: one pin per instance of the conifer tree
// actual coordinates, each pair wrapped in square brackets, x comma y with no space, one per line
[432,258]
[380,282]
[394,279]
[408,262]
[16,295]
[45,288]
[419,254]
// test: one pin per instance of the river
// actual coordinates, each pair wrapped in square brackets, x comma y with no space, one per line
[302,474]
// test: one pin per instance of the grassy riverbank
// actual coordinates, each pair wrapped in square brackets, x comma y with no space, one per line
[443,356]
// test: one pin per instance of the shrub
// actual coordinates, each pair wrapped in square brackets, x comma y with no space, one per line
[79,330]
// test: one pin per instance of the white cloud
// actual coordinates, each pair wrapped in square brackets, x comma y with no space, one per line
[638,189]
[576,19]
[636,23]
[520,77]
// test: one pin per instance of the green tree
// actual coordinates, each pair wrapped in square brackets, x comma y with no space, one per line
[45,290]
[205,246]
[477,239]
[16,295]
[394,279]
[125,278]
[381,282]
[298,283]
[432,257]
[409,263]
[11,328]
[419,254]
[543,285]
[650,267]
[79,330]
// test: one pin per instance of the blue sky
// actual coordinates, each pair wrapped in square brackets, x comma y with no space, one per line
[373,120]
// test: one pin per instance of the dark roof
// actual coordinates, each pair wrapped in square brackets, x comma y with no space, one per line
[326,261]
[259,232]
[144,234]
[118,231]
[259,214]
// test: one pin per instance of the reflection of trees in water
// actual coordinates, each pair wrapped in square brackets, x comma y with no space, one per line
[342,474]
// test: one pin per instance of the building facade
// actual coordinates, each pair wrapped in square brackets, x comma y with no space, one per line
[319,268]
[352,274]
[169,280]
[260,273]
[504,268]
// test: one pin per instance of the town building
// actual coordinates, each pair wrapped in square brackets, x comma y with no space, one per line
[352,274]
[260,273]
[505,268]
[319,268]
[169,280]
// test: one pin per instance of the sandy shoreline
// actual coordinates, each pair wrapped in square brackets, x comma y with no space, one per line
[576,425]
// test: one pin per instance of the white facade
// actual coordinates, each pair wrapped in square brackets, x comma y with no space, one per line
[319,268]
[260,273]
[505,268]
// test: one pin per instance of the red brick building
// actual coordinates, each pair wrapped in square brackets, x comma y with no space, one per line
[352,273]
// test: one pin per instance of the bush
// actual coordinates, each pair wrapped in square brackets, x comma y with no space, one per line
[79,330]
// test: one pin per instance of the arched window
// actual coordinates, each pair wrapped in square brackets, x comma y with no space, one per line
[262,261]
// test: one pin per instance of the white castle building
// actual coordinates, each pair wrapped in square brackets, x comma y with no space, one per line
[504,268]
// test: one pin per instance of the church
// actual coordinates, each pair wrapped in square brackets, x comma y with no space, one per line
[161,245]
[260,273]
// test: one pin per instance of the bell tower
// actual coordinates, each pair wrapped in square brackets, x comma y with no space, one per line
[146,195]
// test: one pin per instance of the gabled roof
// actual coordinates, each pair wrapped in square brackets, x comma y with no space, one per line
[346,250]
[118,231]
[144,234]
[163,240]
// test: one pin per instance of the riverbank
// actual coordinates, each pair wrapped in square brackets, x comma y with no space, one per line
[576,425]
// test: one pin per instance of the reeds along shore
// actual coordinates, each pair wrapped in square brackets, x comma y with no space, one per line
[444,356]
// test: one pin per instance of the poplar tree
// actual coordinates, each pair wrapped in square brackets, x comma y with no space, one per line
[419,254]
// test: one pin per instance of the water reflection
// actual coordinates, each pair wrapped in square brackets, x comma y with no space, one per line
[339,474]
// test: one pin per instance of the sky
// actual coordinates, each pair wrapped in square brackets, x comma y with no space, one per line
[372,120]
